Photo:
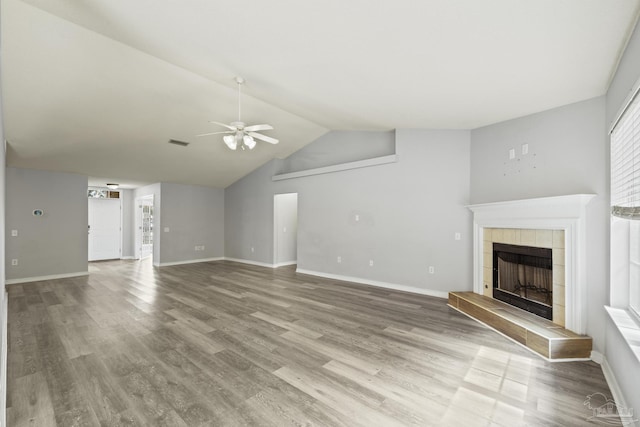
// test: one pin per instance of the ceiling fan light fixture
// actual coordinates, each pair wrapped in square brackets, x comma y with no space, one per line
[230,140]
[249,141]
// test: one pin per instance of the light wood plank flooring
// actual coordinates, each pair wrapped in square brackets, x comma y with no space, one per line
[225,344]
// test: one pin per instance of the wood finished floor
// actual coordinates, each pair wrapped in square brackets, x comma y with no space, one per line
[225,344]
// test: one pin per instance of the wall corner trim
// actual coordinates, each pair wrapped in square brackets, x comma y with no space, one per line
[247,261]
[3,359]
[49,277]
[386,285]
[376,161]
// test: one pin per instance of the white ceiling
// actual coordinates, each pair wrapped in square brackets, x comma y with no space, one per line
[98,87]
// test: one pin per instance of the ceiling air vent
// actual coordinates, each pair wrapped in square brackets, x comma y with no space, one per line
[180,143]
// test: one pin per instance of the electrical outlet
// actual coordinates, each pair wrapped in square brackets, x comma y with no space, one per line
[166,229]
[252,249]
[197,248]
[431,270]
[339,259]
[357,217]
[202,248]
[14,262]
[525,149]
[457,236]
[512,153]
[14,233]
[370,263]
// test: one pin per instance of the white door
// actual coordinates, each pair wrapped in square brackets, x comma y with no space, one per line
[104,229]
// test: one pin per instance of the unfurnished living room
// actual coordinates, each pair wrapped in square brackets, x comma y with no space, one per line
[355,213]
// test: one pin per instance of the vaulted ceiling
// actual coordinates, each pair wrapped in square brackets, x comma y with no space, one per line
[98,87]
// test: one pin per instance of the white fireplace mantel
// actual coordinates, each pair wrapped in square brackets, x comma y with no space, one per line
[550,213]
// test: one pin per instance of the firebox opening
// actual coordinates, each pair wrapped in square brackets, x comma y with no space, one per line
[523,277]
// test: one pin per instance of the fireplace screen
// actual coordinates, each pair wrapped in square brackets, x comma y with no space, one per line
[523,277]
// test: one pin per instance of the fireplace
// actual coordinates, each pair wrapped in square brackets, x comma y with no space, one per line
[523,277]
[549,222]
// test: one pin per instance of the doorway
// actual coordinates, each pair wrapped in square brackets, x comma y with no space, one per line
[144,227]
[104,229]
[285,229]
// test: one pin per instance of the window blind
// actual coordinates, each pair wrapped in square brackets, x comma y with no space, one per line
[625,163]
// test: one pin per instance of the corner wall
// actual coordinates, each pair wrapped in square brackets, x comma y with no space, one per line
[567,155]
[54,244]
[407,215]
[194,216]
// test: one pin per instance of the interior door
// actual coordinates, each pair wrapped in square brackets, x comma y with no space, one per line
[104,229]
[146,228]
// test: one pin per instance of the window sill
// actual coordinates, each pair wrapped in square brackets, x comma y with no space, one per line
[629,328]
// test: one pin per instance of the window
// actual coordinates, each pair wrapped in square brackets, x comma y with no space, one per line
[625,201]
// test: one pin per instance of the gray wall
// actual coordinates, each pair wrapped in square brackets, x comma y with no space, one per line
[337,147]
[408,214]
[621,359]
[195,217]
[567,155]
[55,243]
[128,223]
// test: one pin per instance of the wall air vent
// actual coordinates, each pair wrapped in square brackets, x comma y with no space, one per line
[180,143]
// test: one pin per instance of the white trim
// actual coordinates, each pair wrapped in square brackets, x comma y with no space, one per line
[616,392]
[395,287]
[628,326]
[246,261]
[546,213]
[49,277]
[284,264]
[128,257]
[393,158]
[3,359]
[190,261]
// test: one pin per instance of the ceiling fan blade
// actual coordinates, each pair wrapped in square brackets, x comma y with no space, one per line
[216,133]
[263,138]
[254,128]
[224,125]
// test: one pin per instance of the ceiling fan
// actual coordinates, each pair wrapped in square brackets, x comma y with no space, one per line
[239,134]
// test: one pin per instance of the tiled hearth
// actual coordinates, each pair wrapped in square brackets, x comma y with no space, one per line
[557,223]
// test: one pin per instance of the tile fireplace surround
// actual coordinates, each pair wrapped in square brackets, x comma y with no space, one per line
[550,222]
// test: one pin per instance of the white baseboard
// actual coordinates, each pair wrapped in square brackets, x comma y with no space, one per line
[128,257]
[395,287]
[616,392]
[50,277]
[3,361]
[246,261]
[284,264]
[190,261]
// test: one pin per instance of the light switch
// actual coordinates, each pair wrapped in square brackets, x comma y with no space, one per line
[14,233]
[166,229]
[512,154]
